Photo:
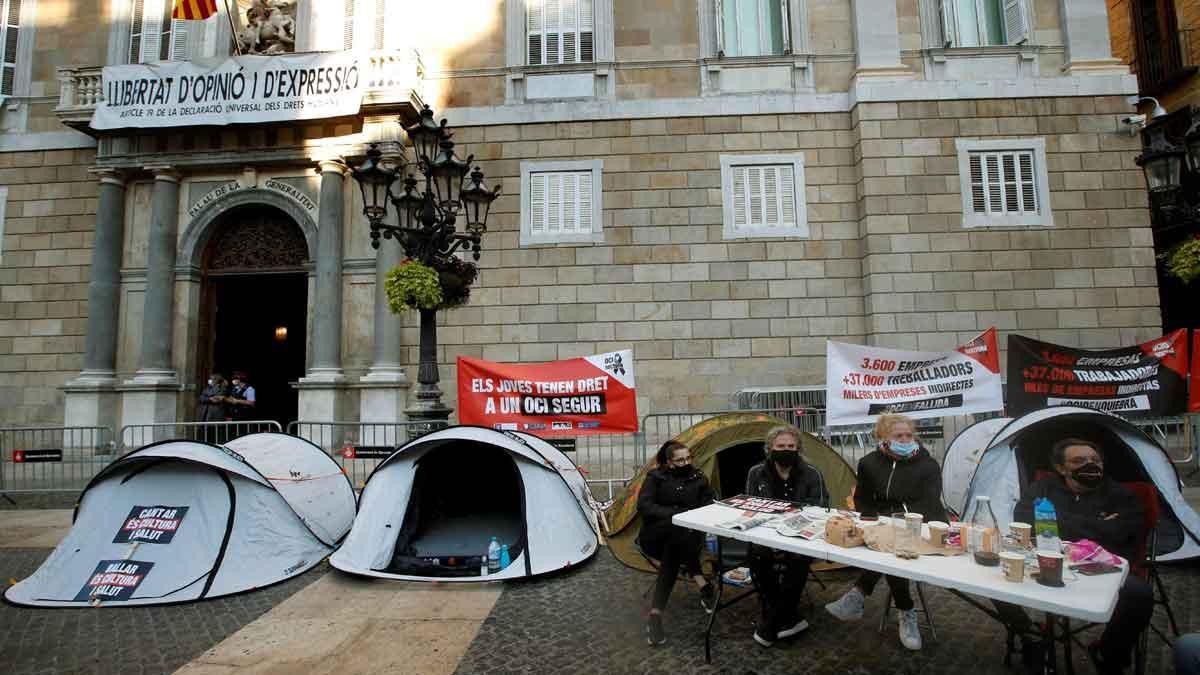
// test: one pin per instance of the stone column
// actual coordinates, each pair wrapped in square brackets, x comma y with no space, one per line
[385,386]
[91,398]
[322,390]
[877,41]
[152,394]
[1085,35]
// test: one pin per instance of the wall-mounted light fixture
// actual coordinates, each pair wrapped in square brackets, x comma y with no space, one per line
[280,333]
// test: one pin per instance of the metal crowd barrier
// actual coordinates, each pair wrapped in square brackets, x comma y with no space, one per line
[1177,435]
[358,447]
[52,459]
[134,436]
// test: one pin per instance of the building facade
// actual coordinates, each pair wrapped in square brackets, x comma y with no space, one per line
[720,185]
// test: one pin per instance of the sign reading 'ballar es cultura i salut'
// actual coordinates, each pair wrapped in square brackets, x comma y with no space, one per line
[238,89]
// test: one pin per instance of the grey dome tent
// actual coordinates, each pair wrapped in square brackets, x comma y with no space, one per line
[428,512]
[177,521]
[962,458]
[1020,448]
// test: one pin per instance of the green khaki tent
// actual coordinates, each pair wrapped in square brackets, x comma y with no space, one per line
[724,448]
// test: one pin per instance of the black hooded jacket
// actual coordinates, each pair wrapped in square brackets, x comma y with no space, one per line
[664,494]
[888,485]
[805,484]
[1110,515]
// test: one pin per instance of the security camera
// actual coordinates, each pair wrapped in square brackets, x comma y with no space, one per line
[1134,120]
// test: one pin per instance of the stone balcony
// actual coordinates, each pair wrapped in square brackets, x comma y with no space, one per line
[394,83]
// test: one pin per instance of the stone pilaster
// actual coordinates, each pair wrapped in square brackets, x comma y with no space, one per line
[1085,35]
[877,42]
[91,398]
[385,387]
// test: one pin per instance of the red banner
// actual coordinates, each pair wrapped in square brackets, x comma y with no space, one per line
[575,397]
[1194,385]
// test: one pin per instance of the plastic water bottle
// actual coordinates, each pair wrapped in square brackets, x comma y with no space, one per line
[710,543]
[505,561]
[493,557]
[984,528]
[1046,525]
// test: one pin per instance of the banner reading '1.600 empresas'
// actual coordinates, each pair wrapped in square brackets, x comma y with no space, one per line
[864,382]
[1150,377]
[575,397]
[238,89]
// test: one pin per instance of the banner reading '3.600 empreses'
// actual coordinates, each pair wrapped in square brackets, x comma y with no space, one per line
[574,397]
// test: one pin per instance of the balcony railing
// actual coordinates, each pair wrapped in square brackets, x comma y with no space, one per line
[1163,63]
[393,77]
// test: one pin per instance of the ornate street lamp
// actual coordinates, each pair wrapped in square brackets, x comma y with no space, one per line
[425,227]
[1161,161]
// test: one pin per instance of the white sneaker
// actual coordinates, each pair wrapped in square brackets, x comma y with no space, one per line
[849,607]
[800,627]
[910,633]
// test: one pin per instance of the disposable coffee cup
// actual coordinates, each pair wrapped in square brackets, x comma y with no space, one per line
[1023,533]
[1050,568]
[1013,565]
[938,532]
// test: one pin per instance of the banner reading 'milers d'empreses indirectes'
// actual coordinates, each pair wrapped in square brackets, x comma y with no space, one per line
[863,382]
[574,397]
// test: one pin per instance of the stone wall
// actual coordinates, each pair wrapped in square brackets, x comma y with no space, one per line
[44,263]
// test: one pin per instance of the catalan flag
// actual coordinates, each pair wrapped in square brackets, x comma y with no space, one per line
[194,10]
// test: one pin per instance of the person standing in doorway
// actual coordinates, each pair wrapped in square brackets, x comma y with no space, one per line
[212,399]
[243,399]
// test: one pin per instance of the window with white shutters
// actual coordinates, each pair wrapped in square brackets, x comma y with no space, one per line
[1004,182]
[560,202]
[348,24]
[559,31]
[763,196]
[982,23]
[154,35]
[9,32]
[752,27]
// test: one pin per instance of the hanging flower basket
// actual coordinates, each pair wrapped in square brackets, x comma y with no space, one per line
[455,276]
[1183,261]
[412,285]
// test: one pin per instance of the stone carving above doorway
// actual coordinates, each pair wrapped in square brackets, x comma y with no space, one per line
[257,240]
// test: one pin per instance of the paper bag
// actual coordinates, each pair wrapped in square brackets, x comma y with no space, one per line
[882,538]
[841,531]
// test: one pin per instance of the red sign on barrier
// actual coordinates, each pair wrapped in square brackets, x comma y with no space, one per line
[574,397]
[40,455]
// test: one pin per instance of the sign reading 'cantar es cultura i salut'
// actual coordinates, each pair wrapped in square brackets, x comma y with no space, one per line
[238,89]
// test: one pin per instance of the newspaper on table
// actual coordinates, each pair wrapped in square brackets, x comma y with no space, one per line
[755,511]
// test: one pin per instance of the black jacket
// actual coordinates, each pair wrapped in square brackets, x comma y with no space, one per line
[1082,516]
[663,495]
[887,485]
[806,485]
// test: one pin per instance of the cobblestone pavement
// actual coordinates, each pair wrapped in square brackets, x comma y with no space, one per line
[123,640]
[590,620]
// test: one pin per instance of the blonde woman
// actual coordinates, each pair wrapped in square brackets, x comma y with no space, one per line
[898,476]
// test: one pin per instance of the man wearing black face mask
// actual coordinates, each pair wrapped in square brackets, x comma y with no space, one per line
[1090,505]
[779,576]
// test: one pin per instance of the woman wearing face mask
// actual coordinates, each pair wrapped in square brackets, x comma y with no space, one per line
[212,399]
[899,476]
[674,486]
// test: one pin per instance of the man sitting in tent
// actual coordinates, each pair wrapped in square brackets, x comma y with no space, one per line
[1091,506]
[780,576]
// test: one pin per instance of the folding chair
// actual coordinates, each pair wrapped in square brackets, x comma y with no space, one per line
[888,606]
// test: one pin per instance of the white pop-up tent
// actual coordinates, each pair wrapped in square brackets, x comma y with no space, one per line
[181,520]
[1021,448]
[962,458]
[429,510]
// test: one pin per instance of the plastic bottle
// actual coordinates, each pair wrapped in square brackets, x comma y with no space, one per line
[1046,525]
[493,556]
[505,561]
[710,543]
[984,528]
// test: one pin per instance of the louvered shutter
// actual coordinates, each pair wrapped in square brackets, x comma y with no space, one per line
[949,16]
[180,37]
[535,25]
[1003,182]
[348,25]
[552,35]
[567,26]
[136,12]
[1016,25]
[719,13]
[537,203]
[764,197]
[583,196]
[150,21]
[381,23]
[587,31]
[9,32]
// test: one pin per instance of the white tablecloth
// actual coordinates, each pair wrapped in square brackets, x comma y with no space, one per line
[1090,598]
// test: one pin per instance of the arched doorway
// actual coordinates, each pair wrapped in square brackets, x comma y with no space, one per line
[254,303]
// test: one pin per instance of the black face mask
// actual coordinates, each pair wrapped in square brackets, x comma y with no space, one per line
[681,471]
[785,458]
[1089,475]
